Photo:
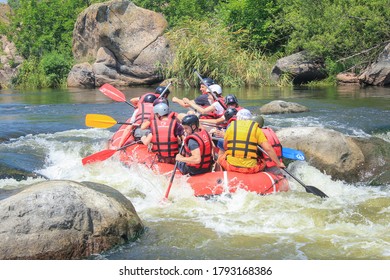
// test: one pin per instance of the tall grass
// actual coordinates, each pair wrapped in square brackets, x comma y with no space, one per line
[211,49]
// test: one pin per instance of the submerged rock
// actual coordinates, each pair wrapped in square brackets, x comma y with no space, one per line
[65,220]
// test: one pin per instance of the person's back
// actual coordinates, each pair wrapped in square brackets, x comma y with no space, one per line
[242,138]
[165,133]
[240,145]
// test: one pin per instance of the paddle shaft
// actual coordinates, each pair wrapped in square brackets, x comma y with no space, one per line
[173,175]
[165,89]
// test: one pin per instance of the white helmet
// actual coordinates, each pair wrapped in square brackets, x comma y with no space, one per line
[161,109]
[244,114]
[215,88]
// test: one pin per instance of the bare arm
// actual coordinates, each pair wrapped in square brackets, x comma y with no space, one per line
[180,102]
[194,158]
[213,121]
[147,139]
[201,109]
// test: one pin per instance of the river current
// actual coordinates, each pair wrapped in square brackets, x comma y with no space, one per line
[44,132]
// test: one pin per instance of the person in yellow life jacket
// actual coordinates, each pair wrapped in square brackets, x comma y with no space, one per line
[240,145]
[198,148]
[272,139]
[165,135]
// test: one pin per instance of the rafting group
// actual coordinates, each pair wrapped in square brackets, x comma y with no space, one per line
[219,145]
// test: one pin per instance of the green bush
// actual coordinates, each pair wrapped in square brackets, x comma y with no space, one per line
[56,68]
[49,72]
[30,75]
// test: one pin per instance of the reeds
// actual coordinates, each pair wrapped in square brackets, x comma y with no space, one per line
[210,48]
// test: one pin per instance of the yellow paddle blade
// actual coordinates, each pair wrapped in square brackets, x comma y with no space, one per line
[99,121]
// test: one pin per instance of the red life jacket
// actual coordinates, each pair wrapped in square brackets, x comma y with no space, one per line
[234,118]
[204,141]
[164,139]
[210,115]
[275,143]
[144,113]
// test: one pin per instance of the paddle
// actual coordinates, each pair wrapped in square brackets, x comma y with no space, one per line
[212,93]
[115,94]
[309,189]
[173,176]
[105,154]
[101,121]
[293,154]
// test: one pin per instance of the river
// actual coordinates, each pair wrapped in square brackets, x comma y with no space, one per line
[44,132]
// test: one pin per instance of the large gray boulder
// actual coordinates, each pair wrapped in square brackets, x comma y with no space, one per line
[378,74]
[300,67]
[123,43]
[352,159]
[65,220]
[282,107]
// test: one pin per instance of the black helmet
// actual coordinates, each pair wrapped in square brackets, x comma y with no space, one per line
[229,113]
[149,98]
[208,81]
[160,90]
[231,98]
[160,100]
[190,120]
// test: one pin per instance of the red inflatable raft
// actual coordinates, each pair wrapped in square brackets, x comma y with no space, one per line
[212,183]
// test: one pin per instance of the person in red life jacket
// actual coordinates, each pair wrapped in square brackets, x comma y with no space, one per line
[273,140]
[166,134]
[214,110]
[203,90]
[231,101]
[157,93]
[141,114]
[240,144]
[198,148]
[201,101]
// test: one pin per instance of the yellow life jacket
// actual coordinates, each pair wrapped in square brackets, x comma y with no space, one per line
[242,143]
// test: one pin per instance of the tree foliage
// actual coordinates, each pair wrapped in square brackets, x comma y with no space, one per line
[253,23]
[42,32]
[348,34]
[336,29]
[40,27]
